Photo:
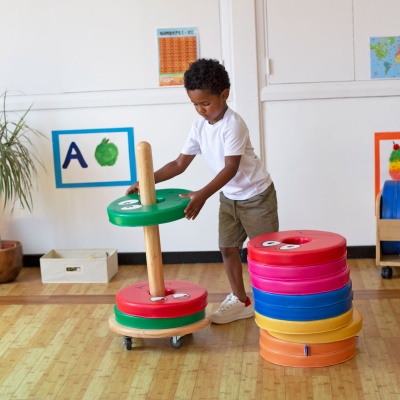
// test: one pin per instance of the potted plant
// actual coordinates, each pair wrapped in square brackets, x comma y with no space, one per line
[18,172]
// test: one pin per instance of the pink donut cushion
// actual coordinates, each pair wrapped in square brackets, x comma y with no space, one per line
[302,286]
[297,271]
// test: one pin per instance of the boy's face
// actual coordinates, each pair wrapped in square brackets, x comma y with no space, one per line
[210,106]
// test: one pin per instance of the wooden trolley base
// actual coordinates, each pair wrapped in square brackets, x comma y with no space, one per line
[175,334]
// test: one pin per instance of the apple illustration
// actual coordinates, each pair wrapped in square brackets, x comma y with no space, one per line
[106,153]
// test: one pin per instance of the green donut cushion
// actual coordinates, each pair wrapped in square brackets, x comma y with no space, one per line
[157,323]
[128,211]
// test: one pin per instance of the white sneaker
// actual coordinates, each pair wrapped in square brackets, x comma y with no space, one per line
[232,309]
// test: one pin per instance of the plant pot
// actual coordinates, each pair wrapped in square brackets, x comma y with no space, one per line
[10,260]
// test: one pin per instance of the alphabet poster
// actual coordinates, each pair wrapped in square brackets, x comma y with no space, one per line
[177,48]
[94,157]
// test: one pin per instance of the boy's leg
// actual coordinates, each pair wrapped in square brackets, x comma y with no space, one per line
[233,268]
[236,305]
[231,236]
[238,220]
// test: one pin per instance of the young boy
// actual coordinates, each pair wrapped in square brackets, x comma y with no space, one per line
[248,205]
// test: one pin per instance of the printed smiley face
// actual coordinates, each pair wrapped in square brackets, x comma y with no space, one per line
[177,296]
[181,296]
[289,247]
[270,243]
[132,204]
[158,298]
[285,246]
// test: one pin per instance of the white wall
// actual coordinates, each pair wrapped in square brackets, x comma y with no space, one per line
[316,139]
[321,111]
[321,156]
[77,218]
[94,45]
[95,66]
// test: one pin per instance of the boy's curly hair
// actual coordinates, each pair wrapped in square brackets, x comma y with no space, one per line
[207,74]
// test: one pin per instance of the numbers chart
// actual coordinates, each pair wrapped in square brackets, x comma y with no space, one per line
[177,48]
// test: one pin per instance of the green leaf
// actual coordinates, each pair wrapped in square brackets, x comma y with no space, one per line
[18,159]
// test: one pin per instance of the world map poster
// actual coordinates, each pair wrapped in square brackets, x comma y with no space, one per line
[385,57]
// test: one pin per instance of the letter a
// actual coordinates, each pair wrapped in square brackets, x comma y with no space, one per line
[77,155]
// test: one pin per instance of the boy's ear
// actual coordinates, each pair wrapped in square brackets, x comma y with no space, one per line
[225,94]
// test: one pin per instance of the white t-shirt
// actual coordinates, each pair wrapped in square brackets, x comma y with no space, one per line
[229,137]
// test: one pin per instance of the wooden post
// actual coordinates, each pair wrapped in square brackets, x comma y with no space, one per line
[155,270]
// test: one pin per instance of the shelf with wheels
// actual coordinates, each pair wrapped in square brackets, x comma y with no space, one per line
[387,230]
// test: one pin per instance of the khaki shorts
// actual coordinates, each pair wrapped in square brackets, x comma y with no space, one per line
[239,219]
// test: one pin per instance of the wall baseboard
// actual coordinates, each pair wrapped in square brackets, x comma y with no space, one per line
[196,257]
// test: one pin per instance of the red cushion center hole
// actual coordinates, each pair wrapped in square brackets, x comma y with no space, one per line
[296,240]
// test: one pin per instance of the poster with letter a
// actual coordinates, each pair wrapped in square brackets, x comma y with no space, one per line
[177,48]
[94,157]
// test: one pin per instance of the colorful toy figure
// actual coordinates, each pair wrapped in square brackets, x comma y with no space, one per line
[394,163]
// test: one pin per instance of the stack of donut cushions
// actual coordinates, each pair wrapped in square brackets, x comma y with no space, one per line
[303,298]
[184,304]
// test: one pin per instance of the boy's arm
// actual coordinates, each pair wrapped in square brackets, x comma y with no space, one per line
[198,198]
[173,168]
[166,172]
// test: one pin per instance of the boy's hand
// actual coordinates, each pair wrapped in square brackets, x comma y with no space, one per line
[197,201]
[133,189]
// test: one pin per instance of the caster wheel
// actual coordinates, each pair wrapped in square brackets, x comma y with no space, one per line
[128,343]
[176,342]
[386,272]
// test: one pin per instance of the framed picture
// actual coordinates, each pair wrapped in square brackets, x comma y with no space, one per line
[94,157]
[386,153]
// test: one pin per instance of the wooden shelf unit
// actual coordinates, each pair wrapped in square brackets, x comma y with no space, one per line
[386,230]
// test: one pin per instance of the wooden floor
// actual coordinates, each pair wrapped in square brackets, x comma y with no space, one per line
[55,343]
